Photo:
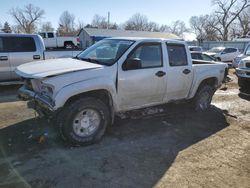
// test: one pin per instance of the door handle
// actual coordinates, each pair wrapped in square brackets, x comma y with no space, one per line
[3,58]
[186,71]
[36,57]
[160,74]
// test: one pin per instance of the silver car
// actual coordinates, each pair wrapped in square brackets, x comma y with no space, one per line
[16,49]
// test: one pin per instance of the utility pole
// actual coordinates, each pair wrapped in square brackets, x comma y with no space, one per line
[108,20]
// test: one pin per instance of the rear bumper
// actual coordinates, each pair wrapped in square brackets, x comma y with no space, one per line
[25,94]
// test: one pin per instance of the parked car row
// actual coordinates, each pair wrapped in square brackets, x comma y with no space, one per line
[222,54]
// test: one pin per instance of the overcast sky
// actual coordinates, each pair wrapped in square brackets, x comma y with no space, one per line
[160,11]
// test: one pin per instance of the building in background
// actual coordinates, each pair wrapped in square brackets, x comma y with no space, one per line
[89,36]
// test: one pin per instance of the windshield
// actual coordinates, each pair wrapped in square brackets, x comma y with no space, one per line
[216,50]
[105,52]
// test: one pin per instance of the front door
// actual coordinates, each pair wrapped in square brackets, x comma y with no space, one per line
[142,85]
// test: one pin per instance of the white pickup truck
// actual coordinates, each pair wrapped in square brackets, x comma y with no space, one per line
[116,75]
[243,73]
[53,41]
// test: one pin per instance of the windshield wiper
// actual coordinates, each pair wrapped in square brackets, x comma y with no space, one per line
[91,60]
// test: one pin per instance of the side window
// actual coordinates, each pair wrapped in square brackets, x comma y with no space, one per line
[50,35]
[20,44]
[42,35]
[1,45]
[177,55]
[248,51]
[150,55]
[206,58]
[194,56]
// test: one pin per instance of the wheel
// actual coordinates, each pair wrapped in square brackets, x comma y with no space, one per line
[244,85]
[84,121]
[203,98]
[218,59]
[68,45]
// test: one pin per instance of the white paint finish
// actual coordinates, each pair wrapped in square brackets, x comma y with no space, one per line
[51,67]
[178,83]
[129,89]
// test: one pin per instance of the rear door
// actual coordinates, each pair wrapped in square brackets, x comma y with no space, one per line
[179,72]
[22,50]
[5,70]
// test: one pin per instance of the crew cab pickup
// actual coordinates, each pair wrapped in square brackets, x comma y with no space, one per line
[53,41]
[243,73]
[83,94]
[17,49]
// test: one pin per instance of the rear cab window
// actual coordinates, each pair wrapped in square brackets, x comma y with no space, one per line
[177,55]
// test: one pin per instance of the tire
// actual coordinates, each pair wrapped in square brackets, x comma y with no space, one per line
[75,121]
[244,85]
[203,98]
[68,45]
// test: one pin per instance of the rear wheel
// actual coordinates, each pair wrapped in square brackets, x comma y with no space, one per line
[68,45]
[203,98]
[84,121]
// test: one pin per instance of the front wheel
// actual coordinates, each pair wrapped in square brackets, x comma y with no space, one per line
[203,98]
[84,121]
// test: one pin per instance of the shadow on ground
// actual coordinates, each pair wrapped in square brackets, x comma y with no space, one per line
[9,93]
[135,152]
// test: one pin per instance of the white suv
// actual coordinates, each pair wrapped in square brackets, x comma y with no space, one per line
[224,54]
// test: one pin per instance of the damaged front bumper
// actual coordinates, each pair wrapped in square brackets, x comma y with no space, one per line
[36,99]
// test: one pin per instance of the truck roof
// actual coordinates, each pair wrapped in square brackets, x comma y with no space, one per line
[141,39]
[18,35]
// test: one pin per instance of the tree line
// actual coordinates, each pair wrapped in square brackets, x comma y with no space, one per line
[230,18]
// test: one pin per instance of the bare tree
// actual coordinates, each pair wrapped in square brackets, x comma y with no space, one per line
[153,26]
[99,22]
[80,24]
[227,12]
[138,22]
[244,21]
[177,27]
[47,26]
[66,23]
[27,17]
[6,28]
[203,27]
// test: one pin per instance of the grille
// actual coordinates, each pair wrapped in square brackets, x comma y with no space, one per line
[248,65]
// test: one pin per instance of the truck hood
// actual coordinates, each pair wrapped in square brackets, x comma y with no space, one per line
[52,67]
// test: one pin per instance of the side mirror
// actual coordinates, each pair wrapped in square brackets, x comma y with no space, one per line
[132,64]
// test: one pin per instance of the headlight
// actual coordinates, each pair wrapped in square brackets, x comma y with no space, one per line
[241,64]
[237,60]
[47,90]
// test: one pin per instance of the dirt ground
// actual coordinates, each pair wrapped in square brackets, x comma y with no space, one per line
[165,146]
